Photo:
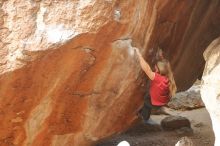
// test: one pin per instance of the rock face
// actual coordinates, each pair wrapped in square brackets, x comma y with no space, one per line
[67,76]
[210,90]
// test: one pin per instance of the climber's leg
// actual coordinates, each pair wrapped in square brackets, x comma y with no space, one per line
[146,109]
[145,113]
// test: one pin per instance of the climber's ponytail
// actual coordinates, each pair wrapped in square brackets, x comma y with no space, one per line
[164,68]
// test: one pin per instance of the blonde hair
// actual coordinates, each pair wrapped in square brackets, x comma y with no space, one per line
[164,69]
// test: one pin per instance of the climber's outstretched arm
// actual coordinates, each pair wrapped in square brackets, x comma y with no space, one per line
[144,65]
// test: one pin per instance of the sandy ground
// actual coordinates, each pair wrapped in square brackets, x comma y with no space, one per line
[142,136]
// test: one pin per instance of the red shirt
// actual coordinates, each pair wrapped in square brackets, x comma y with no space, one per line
[159,90]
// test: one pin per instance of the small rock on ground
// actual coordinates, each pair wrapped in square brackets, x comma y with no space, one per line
[175,122]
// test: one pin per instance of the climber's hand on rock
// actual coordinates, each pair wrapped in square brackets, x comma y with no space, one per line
[137,51]
[159,55]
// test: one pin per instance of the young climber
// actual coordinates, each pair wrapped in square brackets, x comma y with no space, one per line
[162,86]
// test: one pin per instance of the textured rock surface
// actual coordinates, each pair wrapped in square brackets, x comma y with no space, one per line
[66,74]
[210,89]
[187,100]
[175,122]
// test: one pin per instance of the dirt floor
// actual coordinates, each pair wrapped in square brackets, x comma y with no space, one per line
[141,135]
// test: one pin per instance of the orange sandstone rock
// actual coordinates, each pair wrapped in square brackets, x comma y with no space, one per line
[67,76]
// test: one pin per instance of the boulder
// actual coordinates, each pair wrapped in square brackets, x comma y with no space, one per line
[210,90]
[187,100]
[175,122]
[68,75]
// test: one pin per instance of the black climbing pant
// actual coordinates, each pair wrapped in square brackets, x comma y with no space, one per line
[147,107]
